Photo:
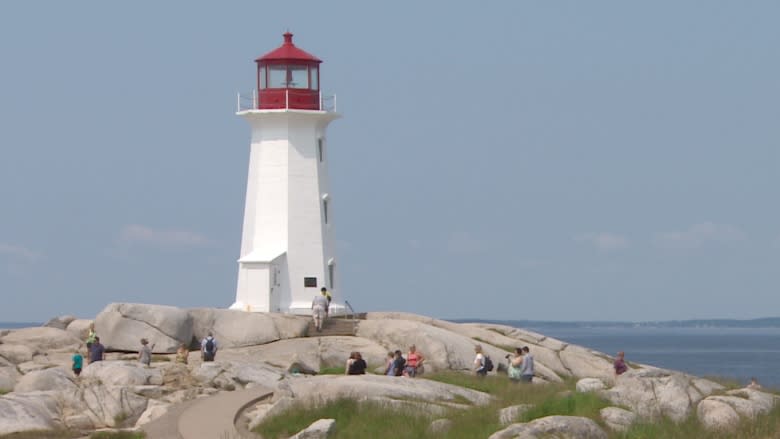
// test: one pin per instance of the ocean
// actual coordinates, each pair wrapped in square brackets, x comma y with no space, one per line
[732,353]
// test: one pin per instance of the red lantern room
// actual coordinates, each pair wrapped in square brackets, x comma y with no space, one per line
[288,77]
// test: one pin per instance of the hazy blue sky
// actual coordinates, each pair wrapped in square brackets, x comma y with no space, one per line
[564,160]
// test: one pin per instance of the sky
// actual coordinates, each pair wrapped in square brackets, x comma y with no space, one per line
[570,160]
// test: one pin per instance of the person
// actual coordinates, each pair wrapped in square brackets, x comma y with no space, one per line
[527,366]
[398,363]
[515,362]
[90,339]
[78,362]
[479,362]
[145,354]
[182,354]
[350,360]
[327,295]
[208,347]
[389,371]
[97,351]
[754,384]
[414,362]
[358,365]
[620,364]
[319,307]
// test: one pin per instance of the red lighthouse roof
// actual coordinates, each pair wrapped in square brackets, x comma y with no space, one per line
[288,52]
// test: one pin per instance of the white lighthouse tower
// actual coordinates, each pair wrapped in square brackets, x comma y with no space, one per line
[287,246]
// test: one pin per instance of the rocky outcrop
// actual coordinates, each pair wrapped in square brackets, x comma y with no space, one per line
[590,385]
[121,326]
[724,412]
[234,329]
[61,322]
[617,419]
[510,415]
[319,429]
[79,328]
[16,353]
[44,339]
[559,427]
[28,411]
[55,378]
[122,373]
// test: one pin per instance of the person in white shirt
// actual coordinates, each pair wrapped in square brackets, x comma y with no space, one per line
[319,310]
[479,362]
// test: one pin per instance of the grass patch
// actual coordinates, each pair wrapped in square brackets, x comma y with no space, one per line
[354,421]
[572,404]
[332,371]
[3,392]
[156,358]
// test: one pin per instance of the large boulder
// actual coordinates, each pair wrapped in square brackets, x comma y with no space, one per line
[122,373]
[589,385]
[717,415]
[617,419]
[9,374]
[54,379]
[79,328]
[42,339]
[112,406]
[559,427]
[121,326]
[35,411]
[60,322]
[319,429]
[16,353]
[233,329]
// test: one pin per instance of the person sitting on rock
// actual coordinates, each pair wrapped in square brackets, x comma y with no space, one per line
[319,307]
[414,362]
[398,364]
[350,360]
[754,384]
[145,353]
[97,351]
[208,347]
[182,354]
[358,365]
[389,370]
[620,364]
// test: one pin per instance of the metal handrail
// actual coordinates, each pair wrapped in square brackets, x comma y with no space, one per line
[251,101]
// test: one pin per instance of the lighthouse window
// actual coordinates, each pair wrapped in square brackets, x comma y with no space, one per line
[299,77]
[277,77]
[331,274]
[320,149]
[315,78]
[263,79]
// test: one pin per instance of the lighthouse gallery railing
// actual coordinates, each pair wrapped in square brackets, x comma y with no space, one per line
[251,101]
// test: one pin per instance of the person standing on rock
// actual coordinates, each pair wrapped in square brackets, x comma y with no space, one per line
[182,354]
[208,347]
[328,296]
[515,364]
[90,340]
[145,354]
[96,351]
[398,363]
[319,307]
[620,364]
[527,367]
[78,362]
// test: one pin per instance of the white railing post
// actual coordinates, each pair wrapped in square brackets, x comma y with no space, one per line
[321,106]
[287,99]
[334,103]
[254,100]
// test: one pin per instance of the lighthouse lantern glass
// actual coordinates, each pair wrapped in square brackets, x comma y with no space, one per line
[299,77]
[262,77]
[277,77]
[314,72]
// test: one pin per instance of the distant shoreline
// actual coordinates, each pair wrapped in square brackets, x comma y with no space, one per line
[767,322]
[17,325]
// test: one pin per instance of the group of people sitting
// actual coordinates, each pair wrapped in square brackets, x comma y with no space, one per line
[409,367]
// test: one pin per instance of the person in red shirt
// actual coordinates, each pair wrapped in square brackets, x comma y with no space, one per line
[414,362]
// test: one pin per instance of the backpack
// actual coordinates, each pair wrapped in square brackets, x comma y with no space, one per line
[488,364]
[210,346]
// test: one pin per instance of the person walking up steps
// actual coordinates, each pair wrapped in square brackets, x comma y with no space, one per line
[319,308]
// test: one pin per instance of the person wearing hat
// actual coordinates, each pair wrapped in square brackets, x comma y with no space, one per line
[145,354]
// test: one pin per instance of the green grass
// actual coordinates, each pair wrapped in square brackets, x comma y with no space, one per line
[363,419]
[43,434]
[332,371]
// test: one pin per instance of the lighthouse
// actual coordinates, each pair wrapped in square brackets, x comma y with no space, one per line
[287,244]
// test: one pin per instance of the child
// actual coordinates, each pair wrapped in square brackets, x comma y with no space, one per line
[78,361]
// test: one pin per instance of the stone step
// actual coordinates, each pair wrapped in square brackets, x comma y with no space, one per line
[331,327]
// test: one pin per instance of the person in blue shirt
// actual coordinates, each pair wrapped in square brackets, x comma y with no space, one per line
[78,362]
